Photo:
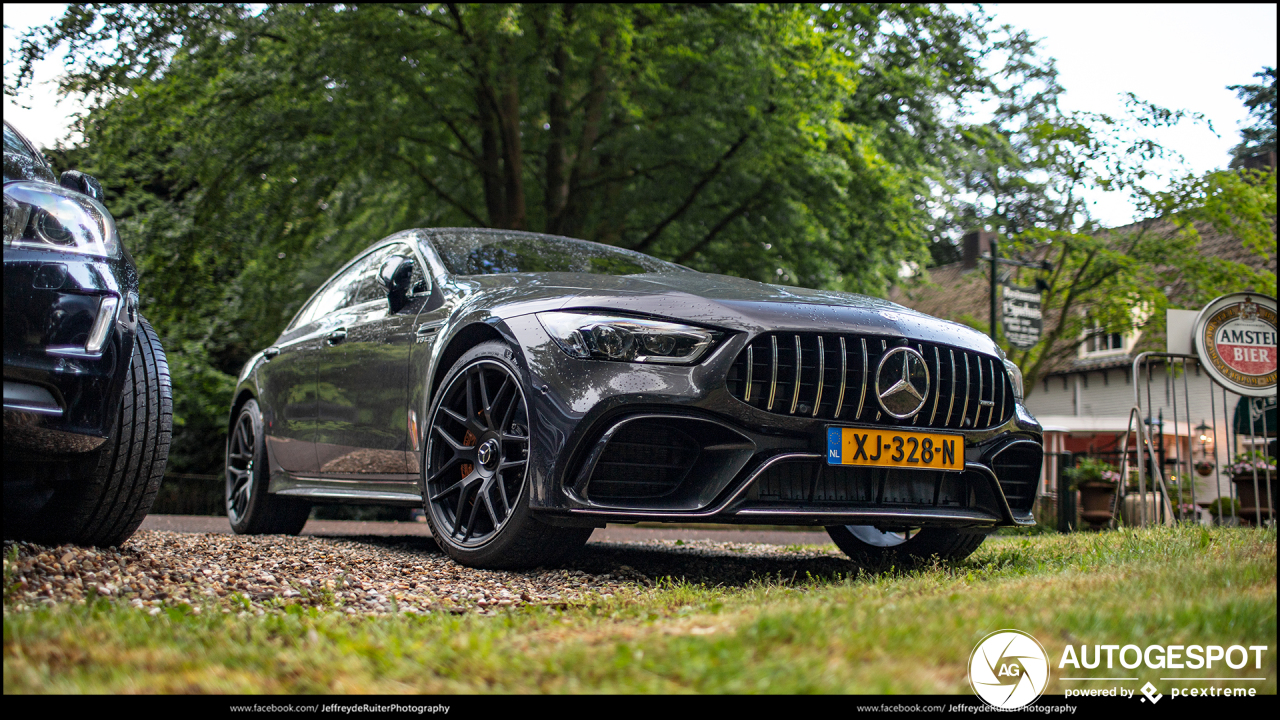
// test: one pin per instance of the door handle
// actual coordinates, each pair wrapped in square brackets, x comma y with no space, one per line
[337,336]
[271,352]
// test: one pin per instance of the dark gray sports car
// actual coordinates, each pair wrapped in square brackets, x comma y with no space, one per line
[527,388]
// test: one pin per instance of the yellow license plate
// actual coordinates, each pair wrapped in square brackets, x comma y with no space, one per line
[892,447]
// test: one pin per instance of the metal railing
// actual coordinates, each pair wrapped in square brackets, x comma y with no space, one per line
[1177,367]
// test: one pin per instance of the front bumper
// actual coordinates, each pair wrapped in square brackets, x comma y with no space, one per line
[59,396]
[621,442]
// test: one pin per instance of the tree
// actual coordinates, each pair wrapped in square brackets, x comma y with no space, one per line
[1260,137]
[1025,173]
[248,150]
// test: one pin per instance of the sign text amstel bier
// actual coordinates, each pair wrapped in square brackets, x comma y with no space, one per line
[1235,337]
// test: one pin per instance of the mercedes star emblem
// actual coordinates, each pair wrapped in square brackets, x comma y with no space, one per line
[902,382]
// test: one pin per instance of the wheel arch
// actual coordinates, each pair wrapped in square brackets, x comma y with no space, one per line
[464,339]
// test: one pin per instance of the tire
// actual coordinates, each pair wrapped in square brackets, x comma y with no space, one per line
[102,499]
[475,477]
[874,548]
[250,508]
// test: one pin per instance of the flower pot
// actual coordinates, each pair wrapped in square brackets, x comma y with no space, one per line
[1131,509]
[1097,503]
[1254,506]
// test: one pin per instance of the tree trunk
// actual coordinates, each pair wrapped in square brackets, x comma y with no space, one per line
[558,113]
[491,158]
[513,167]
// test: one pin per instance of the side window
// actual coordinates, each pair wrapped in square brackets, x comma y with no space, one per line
[372,288]
[339,293]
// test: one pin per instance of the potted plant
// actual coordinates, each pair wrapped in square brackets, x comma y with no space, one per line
[1096,480]
[1250,469]
[1223,510]
[1204,467]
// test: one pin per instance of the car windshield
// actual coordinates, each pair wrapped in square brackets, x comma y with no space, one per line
[493,253]
[14,144]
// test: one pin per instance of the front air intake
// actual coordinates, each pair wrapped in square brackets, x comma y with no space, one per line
[1017,466]
[645,459]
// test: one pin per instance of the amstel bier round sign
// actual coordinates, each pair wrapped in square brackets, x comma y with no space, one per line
[1235,337]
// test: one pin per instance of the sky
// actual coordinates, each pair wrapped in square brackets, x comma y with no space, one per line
[1177,56]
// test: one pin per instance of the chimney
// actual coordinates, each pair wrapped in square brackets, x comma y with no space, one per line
[976,242]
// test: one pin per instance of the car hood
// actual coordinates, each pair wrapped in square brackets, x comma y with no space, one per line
[730,303]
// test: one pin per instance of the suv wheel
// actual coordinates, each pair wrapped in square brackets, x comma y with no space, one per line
[107,494]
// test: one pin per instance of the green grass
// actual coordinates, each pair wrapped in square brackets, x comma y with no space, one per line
[894,632]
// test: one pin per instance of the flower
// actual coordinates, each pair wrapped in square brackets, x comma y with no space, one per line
[1092,470]
[1247,463]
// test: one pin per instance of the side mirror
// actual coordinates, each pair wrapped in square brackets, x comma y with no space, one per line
[83,184]
[395,275]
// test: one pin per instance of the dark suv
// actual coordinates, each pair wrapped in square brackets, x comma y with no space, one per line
[87,404]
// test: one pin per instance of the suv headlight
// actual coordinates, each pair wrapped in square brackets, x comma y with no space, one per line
[610,337]
[50,217]
[1015,377]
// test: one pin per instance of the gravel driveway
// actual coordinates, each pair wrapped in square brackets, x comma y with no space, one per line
[363,574]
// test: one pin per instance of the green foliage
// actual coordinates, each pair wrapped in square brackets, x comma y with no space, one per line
[1026,176]
[247,151]
[1091,470]
[1260,98]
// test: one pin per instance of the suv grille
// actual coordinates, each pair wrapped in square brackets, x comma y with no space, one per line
[832,377]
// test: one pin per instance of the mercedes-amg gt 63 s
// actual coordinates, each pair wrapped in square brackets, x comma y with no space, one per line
[526,388]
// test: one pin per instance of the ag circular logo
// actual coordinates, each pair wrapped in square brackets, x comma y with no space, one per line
[902,382]
[1235,337]
[1009,669]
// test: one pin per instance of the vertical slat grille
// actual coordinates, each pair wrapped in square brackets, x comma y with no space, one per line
[832,377]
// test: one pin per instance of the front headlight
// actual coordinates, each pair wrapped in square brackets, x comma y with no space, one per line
[610,337]
[1015,377]
[50,217]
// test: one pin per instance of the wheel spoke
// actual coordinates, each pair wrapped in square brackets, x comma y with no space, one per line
[458,525]
[471,521]
[510,464]
[488,507]
[445,468]
[497,399]
[502,493]
[511,411]
[460,484]
[246,441]
[485,405]
[471,402]
[460,419]
[458,448]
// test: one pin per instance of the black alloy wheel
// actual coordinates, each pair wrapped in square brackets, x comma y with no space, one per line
[875,548]
[250,508]
[478,450]
[476,470]
[241,454]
